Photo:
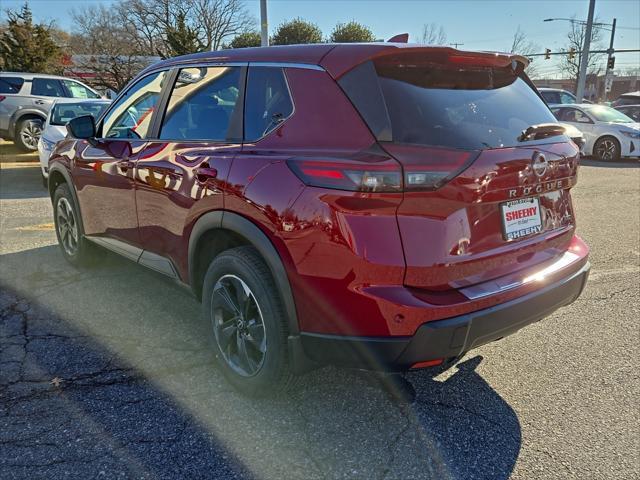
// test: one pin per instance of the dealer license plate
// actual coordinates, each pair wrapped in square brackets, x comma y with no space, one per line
[521,218]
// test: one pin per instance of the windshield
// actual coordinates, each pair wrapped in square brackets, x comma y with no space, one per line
[62,113]
[608,114]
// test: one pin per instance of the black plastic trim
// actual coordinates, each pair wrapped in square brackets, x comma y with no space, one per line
[72,188]
[445,339]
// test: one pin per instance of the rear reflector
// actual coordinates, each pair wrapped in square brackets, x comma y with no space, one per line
[428,363]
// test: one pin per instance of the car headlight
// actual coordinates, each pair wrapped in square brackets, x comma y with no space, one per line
[47,144]
[626,133]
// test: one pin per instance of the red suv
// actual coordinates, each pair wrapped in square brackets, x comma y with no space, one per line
[384,206]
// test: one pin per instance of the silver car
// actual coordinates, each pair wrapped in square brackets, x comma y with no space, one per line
[25,101]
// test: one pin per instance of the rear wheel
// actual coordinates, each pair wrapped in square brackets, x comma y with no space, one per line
[246,322]
[75,248]
[28,133]
[607,149]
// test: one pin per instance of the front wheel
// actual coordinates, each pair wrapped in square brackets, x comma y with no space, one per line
[28,134]
[246,322]
[607,149]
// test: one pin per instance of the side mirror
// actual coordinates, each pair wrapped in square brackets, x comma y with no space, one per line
[83,127]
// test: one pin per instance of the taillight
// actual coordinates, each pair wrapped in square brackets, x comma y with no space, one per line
[349,175]
[428,168]
[2,97]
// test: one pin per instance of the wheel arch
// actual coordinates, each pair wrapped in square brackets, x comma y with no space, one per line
[24,114]
[226,230]
[59,175]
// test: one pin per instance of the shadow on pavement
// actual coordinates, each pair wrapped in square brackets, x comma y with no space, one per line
[107,370]
[17,182]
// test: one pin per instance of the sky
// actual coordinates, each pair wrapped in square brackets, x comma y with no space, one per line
[477,24]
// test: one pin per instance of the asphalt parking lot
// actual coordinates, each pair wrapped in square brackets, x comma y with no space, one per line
[104,373]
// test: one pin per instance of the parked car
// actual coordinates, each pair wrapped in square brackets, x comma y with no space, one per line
[54,128]
[25,100]
[555,96]
[382,206]
[631,111]
[631,98]
[609,134]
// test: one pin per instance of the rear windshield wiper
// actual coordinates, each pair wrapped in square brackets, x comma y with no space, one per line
[542,130]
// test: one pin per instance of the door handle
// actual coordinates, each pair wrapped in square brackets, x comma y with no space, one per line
[204,174]
[39,102]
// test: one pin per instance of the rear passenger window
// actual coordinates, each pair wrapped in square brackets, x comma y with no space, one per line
[202,104]
[10,84]
[268,102]
[47,87]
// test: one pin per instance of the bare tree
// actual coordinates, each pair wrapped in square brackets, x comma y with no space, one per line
[522,46]
[433,34]
[106,48]
[221,20]
[575,40]
[213,21]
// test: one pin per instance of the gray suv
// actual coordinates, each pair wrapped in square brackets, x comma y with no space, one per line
[25,101]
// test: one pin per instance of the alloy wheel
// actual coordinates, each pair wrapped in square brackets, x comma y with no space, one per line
[238,325]
[67,226]
[30,134]
[606,150]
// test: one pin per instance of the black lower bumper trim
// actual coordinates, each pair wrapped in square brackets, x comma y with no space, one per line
[447,338]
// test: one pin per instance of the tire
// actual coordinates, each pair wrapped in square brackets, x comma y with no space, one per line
[28,133]
[75,248]
[607,149]
[250,347]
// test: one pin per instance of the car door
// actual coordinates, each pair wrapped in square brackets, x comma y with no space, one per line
[583,123]
[183,171]
[44,91]
[104,169]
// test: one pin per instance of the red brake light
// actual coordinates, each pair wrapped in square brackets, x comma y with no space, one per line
[429,168]
[2,97]
[352,175]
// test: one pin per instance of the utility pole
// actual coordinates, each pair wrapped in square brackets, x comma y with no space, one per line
[610,59]
[264,24]
[584,58]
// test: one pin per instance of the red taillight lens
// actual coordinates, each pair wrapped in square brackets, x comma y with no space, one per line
[2,97]
[428,168]
[385,176]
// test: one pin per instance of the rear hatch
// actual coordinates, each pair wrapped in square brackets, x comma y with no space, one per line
[481,199]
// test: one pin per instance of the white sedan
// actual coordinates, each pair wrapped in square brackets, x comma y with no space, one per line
[54,128]
[609,134]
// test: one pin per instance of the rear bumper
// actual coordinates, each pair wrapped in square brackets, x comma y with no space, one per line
[448,338]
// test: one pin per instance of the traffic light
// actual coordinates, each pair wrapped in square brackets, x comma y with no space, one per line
[547,53]
[572,53]
[611,63]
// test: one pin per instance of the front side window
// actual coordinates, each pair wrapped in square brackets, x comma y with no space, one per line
[10,84]
[203,102]
[131,116]
[77,90]
[575,115]
[47,87]
[268,102]
[567,98]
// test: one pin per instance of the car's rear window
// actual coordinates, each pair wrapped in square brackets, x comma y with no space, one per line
[62,113]
[453,106]
[10,84]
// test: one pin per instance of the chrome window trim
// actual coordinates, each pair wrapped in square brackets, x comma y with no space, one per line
[306,66]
